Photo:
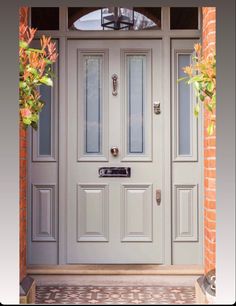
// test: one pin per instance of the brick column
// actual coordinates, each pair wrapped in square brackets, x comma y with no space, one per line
[209,43]
[23,180]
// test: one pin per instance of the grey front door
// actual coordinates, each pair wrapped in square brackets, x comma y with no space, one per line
[114,219]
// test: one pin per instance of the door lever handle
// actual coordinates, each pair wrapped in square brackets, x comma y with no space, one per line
[158,196]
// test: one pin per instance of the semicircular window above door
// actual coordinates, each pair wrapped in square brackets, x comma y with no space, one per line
[89,19]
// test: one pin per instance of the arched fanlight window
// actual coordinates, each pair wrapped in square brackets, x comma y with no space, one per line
[91,20]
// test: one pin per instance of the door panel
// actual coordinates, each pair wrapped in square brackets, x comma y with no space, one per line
[114,219]
[187,163]
[42,177]
[136,201]
[92,212]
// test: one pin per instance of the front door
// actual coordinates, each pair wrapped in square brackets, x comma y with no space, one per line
[115,153]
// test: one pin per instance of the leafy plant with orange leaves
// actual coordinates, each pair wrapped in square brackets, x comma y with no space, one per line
[35,70]
[202,75]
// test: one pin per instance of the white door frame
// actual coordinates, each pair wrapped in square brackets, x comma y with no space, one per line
[166,35]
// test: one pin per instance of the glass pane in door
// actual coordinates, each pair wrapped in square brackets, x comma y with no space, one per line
[184,107]
[45,121]
[136,86]
[93,103]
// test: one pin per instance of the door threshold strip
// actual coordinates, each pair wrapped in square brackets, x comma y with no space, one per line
[118,269]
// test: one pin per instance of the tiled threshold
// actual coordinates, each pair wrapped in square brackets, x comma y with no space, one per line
[130,269]
[115,295]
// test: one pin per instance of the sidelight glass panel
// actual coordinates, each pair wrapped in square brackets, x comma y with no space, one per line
[184,107]
[45,121]
[93,104]
[136,84]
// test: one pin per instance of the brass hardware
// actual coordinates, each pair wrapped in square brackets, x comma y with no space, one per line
[158,196]
[157,107]
[114,151]
[114,84]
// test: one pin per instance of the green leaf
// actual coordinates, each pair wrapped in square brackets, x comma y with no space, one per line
[196,109]
[23,44]
[35,118]
[47,81]
[26,121]
[35,50]
[47,61]
[211,128]
[210,86]
[196,78]
[210,106]
[32,70]
[22,84]
[182,79]
[201,97]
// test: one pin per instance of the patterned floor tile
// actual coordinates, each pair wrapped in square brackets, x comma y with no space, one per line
[115,295]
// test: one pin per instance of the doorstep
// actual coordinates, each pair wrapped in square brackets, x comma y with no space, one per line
[121,269]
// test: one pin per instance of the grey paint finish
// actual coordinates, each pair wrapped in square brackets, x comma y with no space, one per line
[44,213]
[165,107]
[136,213]
[185,213]
[187,166]
[92,212]
[135,221]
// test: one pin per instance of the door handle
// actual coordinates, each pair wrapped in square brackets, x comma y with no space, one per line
[158,196]
[114,151]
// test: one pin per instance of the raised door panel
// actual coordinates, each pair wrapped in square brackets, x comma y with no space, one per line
[185,213]
[136,213]
[44,213]
[92,212]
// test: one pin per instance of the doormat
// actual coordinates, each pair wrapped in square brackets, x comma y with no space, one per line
[115,295]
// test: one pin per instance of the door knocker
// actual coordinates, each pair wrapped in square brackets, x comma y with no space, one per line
[114,84]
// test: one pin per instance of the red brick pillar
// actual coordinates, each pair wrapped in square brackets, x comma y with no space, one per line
[209,43]
[23,180]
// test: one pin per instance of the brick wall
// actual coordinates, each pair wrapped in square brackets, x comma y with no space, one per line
[23,182]
[209,43]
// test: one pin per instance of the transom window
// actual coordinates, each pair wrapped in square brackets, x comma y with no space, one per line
[89,18]
[92,20]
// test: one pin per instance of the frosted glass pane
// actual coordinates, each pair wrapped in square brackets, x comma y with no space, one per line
[136,79]
[45,121]
[93,91]
[184,107]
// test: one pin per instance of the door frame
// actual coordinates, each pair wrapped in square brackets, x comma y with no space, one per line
[166,35]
